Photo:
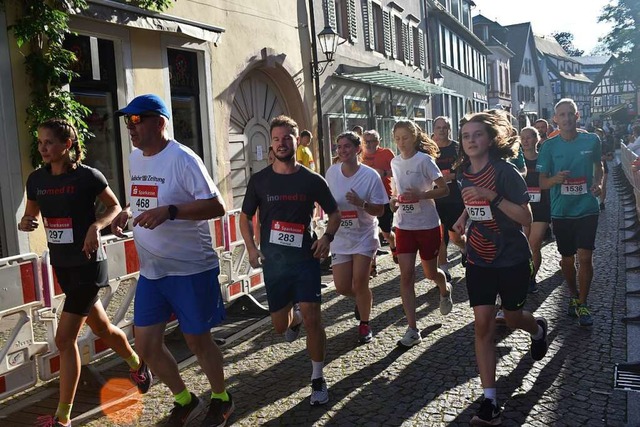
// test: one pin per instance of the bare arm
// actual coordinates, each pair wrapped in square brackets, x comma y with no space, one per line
[92,238]
[546,181]
[246,229]
[519,213]
[197,210]
[29,220]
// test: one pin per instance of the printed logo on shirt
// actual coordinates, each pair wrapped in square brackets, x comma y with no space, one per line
[66,189]
[286,198]
[147,178]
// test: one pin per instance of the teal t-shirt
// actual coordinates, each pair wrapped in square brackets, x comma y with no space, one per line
[573,198]
[518,161]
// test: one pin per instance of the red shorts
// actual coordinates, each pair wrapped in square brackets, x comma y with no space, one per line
[427,242]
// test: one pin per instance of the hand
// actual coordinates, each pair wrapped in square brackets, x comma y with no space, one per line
[353,198]
[28,223]
[393,204]
[152,218]
[119,223]
[91,241]
[320,248]
[596,189]
[470,194]
[560,177]
[459,226]
[256,258]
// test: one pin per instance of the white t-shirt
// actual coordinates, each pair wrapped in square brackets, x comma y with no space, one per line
[358,232]
[418,173]
[174,176]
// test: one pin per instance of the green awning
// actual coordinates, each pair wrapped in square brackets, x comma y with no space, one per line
[390,79]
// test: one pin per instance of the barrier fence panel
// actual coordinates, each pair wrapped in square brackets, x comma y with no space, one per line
[20,296]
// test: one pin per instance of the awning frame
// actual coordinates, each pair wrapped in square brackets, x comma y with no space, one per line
[382,77]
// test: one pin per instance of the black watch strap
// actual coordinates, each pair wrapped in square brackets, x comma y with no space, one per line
[173,212]
[329,236]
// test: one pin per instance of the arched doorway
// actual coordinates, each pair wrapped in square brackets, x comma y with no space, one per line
[257,100]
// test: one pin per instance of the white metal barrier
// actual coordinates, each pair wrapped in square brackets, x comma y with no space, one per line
[20,296]
[30,295]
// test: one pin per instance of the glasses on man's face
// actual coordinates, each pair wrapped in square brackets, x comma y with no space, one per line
[135,119]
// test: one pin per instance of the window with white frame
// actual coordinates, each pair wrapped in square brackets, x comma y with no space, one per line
[466,15]
[455,9]
[342,18]
[341,15]
[597,101]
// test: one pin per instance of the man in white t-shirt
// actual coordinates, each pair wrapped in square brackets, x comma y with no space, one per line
[172,196]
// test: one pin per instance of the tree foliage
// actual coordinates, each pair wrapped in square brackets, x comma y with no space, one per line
[565,39]
[624,38]
[39,31]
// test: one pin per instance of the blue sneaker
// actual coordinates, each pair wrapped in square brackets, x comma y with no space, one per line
[584,315]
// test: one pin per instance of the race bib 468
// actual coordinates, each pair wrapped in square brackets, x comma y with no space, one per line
[143,198]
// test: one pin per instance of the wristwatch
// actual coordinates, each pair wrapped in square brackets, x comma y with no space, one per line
[365,205]
[173,212]
[329,236]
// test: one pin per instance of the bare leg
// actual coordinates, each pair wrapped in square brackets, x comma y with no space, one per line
[150,346]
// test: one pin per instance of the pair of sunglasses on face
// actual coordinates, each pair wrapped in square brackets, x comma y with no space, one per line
[134,119]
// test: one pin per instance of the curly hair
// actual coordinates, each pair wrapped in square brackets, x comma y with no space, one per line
[63,129]
[423,142]
[505,141]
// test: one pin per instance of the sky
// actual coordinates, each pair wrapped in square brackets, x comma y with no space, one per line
[579,17]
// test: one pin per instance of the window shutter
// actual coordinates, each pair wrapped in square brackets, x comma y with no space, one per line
[410,44]
[330,13]
[369,35]
[386,23]
[423,53]
[405,39]
[394,38]
[352,20]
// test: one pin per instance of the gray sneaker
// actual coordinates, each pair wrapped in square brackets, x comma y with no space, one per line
[410,338]
[293,332]
[319,392]
[446,303]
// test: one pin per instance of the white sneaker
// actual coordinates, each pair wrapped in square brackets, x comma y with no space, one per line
[446,303]
[319,392]
[410,338]
[292,333]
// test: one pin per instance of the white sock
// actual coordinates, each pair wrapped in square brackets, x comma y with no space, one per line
[538,335]
[490,393]
[297,318]
[317,370]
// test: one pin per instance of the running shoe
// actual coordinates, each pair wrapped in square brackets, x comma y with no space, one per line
[319,392]
[584,315]
[218,413]
[573,306]
[539,347]
[533,286]
[142,377]
[293,332]
[49,421]
[500,317]
[488,415]
[446,303]
[182,415]
[410,338]
[364,333]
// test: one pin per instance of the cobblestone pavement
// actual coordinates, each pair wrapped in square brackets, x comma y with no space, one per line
[435,383]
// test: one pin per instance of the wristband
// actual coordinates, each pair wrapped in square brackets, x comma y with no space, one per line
[329,236]
[496,201]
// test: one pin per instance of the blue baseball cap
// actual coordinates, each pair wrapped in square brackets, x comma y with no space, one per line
[148,103]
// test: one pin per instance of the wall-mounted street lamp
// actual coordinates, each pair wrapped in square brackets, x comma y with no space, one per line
[328,43]
[328,40]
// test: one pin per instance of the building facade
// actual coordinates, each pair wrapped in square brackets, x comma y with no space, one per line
[459,56]
[612,102]
[495,37]
[565,76]
[222,85]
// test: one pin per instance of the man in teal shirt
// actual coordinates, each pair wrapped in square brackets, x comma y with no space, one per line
[570,165]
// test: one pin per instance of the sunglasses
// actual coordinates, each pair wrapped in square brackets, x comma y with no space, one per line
[135,119]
